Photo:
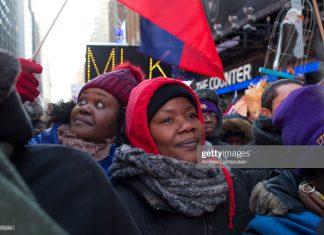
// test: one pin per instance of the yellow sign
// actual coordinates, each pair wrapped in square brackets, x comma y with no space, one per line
[103,58]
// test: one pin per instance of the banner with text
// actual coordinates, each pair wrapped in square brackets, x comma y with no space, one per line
[102,58]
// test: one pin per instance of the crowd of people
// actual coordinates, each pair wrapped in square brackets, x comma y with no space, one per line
[123,158]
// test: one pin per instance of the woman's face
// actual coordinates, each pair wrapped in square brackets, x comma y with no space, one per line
[95,117]
[176,130]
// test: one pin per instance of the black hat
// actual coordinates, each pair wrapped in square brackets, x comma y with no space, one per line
[164,94]
[207,94]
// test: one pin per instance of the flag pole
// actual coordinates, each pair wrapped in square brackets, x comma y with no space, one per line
[50,28]
[319,20]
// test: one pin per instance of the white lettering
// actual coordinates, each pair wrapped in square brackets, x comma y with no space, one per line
[239,75]
[233,76]
[203,84]
[247,71]
[213,83]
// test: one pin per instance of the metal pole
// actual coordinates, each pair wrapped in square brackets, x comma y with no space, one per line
[50,28]
[319,20]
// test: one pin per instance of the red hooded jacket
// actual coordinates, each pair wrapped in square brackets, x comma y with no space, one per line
[137,128]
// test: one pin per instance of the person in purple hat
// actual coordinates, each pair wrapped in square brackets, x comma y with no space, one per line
[300,117]
[95,123]
[213,116]
[264,133]
[293,202]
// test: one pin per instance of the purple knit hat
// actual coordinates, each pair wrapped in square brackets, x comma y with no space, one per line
[208,106]
[118,82]
[300,117]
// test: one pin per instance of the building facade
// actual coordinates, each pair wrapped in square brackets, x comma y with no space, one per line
[18,30]
[8,25]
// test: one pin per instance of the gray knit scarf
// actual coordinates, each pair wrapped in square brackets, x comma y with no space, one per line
[191,189]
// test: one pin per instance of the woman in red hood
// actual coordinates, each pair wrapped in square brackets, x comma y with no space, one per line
[157,175]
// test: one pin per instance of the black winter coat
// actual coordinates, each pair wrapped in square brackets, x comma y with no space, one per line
[66,182]
[162,219]
[264,132]
[73,190]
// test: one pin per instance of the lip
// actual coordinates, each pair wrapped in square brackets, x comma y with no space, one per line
[208,128]
[82,121]
[190,143]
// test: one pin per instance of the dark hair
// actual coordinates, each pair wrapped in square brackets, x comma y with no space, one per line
[60,112]
[270,93]
[121,136]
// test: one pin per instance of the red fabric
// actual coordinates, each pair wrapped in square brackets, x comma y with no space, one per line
[27,82]
[118,82]
[135,70]
[196,61]
[137,128]
[186,20]
[232,205]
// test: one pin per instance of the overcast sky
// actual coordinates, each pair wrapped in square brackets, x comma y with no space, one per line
[63,52]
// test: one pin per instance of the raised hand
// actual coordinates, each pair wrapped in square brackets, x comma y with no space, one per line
[27,82]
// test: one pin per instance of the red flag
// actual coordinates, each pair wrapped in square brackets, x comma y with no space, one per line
[185,20]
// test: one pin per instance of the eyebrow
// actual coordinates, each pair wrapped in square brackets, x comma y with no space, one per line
[97,93]
[173,110]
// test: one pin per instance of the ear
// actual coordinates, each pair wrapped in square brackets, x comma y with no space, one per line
[266,112]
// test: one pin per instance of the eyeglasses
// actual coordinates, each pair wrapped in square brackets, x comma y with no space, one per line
[209,114]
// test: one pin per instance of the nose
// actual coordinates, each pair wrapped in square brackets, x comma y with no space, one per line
[207,118]
[85,109]
[186,125]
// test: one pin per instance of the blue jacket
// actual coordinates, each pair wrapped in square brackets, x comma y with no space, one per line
[298,221]
[304,223]
[49,136]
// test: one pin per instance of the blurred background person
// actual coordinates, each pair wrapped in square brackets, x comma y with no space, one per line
[264,133]
[293,202]
[236,130]
[213,115]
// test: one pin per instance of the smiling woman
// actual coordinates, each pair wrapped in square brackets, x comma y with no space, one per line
[96,123]
[158,176]
[174,124]
[176,116]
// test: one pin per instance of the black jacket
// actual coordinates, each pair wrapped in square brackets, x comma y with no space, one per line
[162,219]
[264,133]
[73,190]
